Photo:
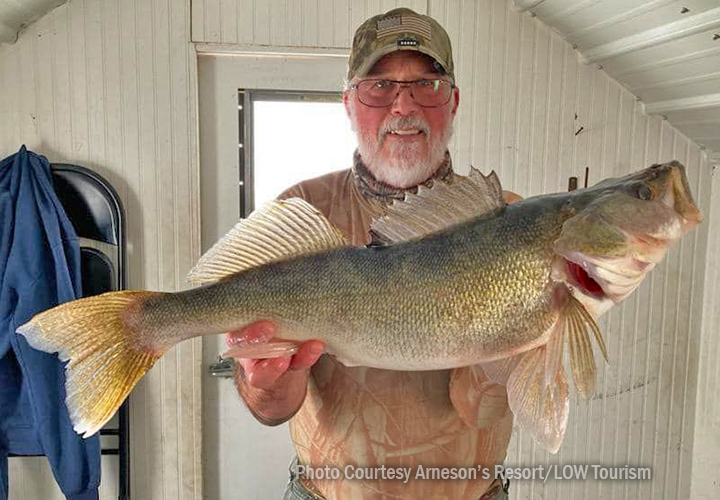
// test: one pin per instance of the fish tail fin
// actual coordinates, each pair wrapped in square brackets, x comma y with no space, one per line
[95,335]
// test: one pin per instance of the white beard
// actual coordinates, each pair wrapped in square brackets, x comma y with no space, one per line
[406,166]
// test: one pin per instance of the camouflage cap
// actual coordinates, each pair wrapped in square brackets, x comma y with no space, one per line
[398,29]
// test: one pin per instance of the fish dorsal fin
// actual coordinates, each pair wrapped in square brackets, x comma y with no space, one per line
[438,207]
[279,230]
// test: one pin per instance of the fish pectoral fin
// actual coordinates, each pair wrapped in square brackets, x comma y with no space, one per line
[582,360]
[104,358]
[436,208]
[275,348]
[279,230]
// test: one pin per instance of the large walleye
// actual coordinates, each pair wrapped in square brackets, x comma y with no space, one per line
[462,279]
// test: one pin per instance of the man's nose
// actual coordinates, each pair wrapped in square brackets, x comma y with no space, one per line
[404,104]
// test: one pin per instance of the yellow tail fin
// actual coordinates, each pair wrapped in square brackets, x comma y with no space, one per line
[104,359]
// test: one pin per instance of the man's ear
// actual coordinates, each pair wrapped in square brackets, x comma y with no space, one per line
[456,100]
[346,102]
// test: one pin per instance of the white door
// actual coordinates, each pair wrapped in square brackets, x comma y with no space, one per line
[289,138]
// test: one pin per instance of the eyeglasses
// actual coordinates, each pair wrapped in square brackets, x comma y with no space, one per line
[382,93]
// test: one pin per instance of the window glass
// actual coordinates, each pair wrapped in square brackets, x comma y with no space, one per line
[297,140]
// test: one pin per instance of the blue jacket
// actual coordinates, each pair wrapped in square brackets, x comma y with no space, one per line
[39,268]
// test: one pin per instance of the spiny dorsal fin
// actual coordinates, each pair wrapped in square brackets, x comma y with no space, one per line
[279,230]
[436,208]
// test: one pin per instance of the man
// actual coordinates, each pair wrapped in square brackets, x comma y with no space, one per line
[401,101]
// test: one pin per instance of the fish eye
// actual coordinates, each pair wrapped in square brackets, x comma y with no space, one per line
[644,192]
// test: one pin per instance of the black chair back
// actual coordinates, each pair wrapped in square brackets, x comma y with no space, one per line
[96,213]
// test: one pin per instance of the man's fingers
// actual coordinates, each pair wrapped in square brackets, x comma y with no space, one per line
[254,333]
[307,355]
[263,373]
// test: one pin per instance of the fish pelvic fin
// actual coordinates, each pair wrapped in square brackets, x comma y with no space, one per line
[582,360]
[537,389]
[536,383]
[279,230]
[104,362]
[436,208]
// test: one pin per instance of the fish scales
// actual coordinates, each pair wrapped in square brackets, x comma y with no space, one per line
[457,295]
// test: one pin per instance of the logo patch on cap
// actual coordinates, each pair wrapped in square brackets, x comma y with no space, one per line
[396,25]
[408,42]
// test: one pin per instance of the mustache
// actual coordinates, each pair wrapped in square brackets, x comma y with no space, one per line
[403,122]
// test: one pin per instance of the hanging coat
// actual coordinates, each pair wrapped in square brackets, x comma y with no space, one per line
[39,268]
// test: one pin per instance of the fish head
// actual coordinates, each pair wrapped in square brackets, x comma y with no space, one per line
[660,192]
[619,229]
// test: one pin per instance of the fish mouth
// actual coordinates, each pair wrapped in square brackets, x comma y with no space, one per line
[684,204]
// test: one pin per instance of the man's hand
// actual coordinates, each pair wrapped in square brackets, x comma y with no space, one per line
[264,373]
[273,389]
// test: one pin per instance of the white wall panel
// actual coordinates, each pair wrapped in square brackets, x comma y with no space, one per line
[111,86]
[532,111]
[524,98]
[287,23]
[706,459]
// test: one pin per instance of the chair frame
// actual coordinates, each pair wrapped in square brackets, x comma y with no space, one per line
[104,222]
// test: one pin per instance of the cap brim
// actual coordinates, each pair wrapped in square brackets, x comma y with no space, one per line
[370,61]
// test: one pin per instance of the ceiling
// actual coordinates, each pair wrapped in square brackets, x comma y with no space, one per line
[666,52]
[14,14]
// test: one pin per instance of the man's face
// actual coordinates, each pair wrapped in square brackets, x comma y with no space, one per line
[404,143]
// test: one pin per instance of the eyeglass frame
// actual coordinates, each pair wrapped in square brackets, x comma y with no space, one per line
[402,85]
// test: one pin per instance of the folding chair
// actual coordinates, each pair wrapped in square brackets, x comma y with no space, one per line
[96,213]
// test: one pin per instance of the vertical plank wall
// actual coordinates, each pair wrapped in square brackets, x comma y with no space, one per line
[537,116]
[706,455]
[287,23]
[110,85]
[524,97]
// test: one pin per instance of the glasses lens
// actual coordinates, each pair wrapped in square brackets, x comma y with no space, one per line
[431,93]
[377,93]
[381,93]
